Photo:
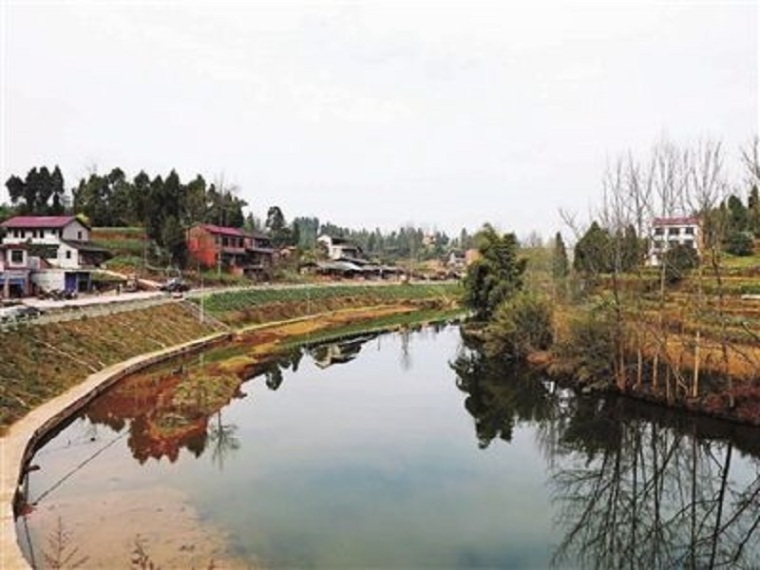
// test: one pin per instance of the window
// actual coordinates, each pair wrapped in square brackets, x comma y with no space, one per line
[689,230]
[658,244]
[16,233]
[68,254]
[673,231]
[659,231]
[17,257]
[79,236]
[689,243]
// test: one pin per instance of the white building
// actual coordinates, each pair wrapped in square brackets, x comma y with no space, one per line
[58,247]
[668,232]
[340,248]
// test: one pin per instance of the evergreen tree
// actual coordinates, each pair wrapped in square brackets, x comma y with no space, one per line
[59,192]
[496,275]
[737,215]
[277,227]
[560,265]
[593,252]
[753,211]
[631,249]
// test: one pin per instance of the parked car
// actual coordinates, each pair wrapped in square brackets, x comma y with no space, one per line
[29,312]
[19,312]
[175,285]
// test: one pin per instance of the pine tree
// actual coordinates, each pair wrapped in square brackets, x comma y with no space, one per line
[560,265]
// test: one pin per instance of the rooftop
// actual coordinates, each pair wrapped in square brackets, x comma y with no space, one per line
[682,221]
[44,222]
[231,232]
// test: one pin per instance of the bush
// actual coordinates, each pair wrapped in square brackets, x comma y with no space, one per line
[592,342]
[739,244]
[520,325]
[679,260]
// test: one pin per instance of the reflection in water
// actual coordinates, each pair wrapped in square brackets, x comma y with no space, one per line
[328,354]
[604,482]
[165,411]
[170,409]
[633,486]
[223,440]
[497,397]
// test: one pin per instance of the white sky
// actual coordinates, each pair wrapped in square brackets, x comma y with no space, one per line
[375,113]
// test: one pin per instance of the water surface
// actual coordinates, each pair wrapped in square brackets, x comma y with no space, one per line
[400,450]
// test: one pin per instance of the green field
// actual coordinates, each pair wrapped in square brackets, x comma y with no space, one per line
[221,303]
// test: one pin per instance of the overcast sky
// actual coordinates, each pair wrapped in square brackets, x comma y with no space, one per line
[440,114]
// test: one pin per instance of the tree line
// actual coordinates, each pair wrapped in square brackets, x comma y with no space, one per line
[165,206]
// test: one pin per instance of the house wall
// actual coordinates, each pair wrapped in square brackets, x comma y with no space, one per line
[202,246]
[45,236]
[338,251]
[50,279]
[74,231]
[7,261]
[68,257]
[670,235]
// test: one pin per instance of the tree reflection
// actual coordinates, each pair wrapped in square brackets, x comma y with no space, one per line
[633,485]
[223,441]
[499,395]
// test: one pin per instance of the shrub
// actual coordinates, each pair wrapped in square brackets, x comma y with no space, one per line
[519,326]
[739,244]
[592,342]
[679,260]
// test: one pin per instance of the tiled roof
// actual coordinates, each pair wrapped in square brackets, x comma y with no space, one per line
[233,232]
[221,230]
[683,221]
[44,222]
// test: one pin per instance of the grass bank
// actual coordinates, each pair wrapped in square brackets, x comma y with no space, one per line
[263,305]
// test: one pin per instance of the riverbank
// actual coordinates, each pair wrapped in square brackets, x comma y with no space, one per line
[49,359]
[715,401]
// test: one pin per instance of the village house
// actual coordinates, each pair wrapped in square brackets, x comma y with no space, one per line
[669,232]
[341,249]
[15,271]
[232,249]
[57,251]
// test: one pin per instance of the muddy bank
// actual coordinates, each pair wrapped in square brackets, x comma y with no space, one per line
[740,404]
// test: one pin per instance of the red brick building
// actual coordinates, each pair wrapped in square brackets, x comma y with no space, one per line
[230,249]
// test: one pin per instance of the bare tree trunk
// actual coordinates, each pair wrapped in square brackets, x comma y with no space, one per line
[695,379]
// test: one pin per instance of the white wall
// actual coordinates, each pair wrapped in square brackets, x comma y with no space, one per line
[68,257]
[76,231]
[50,279]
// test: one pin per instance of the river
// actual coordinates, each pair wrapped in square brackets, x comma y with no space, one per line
[400,450]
